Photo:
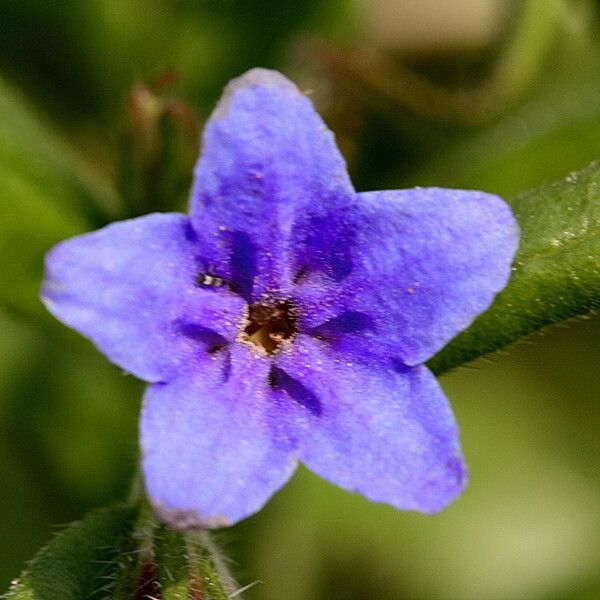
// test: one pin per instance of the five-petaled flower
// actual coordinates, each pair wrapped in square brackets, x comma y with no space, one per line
[288,317]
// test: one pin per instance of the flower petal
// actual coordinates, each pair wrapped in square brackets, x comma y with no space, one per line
[131,288]
[414,268]
[213,446]
[266,154]
[388,434]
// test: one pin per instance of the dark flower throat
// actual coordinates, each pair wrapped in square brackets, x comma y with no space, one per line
[270,325]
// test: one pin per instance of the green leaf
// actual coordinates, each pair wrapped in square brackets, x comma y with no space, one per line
[156,561]
[29,226]
[556,274]
[177,565]
[135,572]
[75,565]
[46,195]
[554,131]
[545,139]
[33,149]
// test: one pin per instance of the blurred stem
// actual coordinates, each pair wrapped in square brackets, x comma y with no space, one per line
[536,27]
[158,147]
[136,491]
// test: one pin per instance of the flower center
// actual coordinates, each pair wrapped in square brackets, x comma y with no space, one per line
[270,325]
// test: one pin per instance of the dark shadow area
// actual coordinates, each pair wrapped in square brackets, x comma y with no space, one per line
[209,338]
[212,341]
[347,322]
[279,379]
[243,264]
[399,366]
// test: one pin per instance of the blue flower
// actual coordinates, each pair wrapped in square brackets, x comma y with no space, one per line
[287,318]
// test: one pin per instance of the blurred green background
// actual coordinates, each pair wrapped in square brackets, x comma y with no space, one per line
[101,102]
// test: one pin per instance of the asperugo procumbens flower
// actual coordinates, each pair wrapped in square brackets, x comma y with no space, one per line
[288,317]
